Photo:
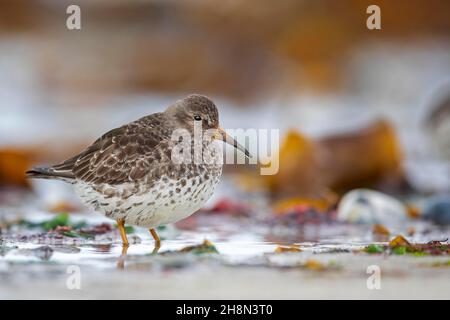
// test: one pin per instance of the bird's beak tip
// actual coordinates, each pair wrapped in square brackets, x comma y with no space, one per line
[222,135]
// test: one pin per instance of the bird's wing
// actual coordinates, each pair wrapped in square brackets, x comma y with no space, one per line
[124,154]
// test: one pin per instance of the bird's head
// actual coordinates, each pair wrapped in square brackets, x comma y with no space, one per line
[199,110]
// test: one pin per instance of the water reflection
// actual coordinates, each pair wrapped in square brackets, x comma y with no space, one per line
[123,255]
[121,261]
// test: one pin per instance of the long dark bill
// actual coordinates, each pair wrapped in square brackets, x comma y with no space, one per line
[222,135]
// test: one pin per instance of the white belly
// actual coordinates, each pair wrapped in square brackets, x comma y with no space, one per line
[166,202]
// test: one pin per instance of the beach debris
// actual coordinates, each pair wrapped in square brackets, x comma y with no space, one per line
[399,250]
[285,249]
[303,215]
[413,212]
[62,226]
[13,164]
[99,229]
[41,252]
[437,210]
[65,231]
[206,247]
[304,210]
[61,220]
[310,167]
[440,264]
[399,241]
[374,248]
[82,232]
[293,261]
[63,206]
[379,229]
[369,206]
[400,246]
[319,204]
[315,265]
[228,206]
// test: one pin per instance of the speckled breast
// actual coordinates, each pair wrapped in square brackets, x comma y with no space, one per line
[174,196]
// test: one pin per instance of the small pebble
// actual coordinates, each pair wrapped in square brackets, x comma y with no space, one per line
[437,210]
[371,207]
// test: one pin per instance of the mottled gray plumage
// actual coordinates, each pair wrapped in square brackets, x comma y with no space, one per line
[128,173]
[128,153]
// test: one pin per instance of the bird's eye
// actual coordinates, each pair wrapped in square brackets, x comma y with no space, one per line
[197,118]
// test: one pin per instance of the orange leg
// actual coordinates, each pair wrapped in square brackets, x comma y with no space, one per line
[156,237]
[123,234]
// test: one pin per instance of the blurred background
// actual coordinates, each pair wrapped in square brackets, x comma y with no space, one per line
[355,107]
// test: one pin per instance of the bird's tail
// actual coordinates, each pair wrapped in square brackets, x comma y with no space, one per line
[49,173]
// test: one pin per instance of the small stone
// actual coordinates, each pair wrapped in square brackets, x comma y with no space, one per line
[437,210]
[371,207]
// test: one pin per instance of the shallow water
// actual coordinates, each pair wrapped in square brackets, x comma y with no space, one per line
[329,265]
[245,266]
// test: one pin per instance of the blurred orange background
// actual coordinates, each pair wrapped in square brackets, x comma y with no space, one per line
[310,66]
